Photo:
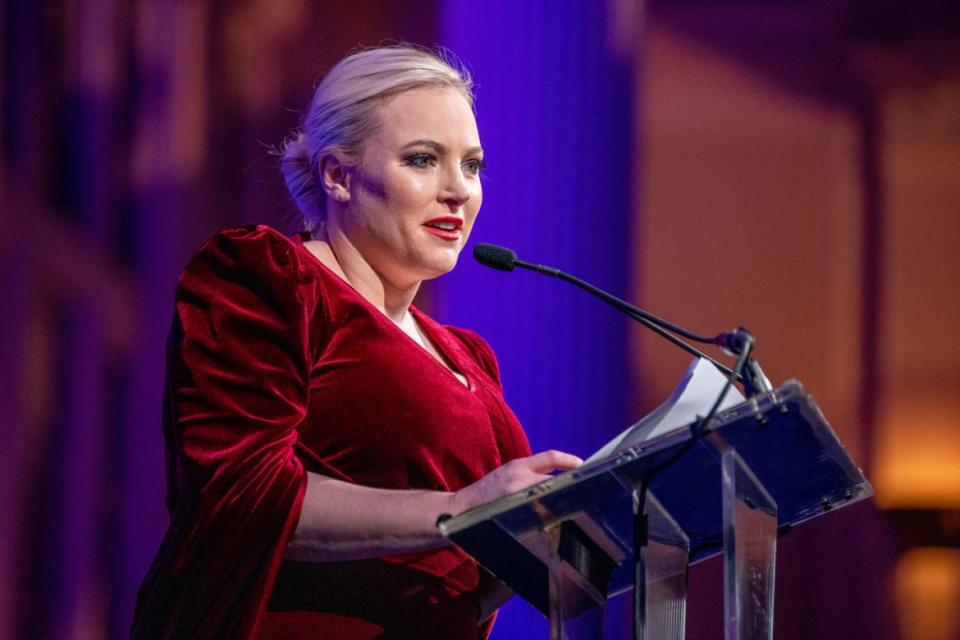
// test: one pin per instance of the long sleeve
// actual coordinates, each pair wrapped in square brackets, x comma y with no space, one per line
[237,387]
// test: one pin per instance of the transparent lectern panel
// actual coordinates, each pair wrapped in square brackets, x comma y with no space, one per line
[576,602]
[787,444]
[750,544]
[782,437]
[665,561]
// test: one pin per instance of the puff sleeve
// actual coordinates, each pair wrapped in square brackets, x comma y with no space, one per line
[237,385]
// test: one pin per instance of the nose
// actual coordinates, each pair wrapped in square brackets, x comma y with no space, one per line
[455,191]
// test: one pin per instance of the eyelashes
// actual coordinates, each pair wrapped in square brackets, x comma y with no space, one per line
[420,161]
[475,167]
[426,160]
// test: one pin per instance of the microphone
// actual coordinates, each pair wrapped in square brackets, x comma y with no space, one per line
[496,257]
[733,342]
[490,255]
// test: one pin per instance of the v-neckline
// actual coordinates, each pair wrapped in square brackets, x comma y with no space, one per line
[421,322]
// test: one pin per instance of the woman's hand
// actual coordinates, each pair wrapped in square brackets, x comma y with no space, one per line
[512,477]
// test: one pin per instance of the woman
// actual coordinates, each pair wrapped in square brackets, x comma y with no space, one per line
[317,423]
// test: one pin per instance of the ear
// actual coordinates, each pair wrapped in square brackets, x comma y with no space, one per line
[335,177]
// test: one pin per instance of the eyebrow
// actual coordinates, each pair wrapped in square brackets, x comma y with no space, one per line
[437,147]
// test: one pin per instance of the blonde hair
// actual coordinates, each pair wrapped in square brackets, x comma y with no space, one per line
[342,113]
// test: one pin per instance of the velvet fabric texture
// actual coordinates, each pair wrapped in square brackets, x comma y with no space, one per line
[276,366]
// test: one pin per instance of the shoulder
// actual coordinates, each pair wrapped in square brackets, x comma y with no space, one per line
[253,255]
[249,247]
[249,267]
[478,348]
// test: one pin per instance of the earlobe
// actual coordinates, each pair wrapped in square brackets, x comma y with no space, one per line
[335,178]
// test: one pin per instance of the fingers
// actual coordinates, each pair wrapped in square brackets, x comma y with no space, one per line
[514,476]
[523,480]
[552,460]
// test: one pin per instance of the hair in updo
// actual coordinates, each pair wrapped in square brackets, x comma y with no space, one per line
[342,113]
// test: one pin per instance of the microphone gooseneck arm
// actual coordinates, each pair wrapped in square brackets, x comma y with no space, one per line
[733,342]
[650,321]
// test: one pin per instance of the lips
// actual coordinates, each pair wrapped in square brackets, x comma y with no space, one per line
[446,227]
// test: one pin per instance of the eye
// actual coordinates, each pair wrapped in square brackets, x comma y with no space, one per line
[419,161]
[474,167]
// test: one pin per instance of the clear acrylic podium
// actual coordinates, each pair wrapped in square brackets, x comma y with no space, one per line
[568,544]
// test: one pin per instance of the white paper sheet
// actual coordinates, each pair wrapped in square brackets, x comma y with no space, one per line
[693,396]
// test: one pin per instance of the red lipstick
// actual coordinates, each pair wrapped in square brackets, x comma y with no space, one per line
[446,227]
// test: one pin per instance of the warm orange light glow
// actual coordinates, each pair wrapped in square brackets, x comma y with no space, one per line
[928,590]
[917,462]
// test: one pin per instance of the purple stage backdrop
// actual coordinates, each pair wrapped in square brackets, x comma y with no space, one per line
[554,103]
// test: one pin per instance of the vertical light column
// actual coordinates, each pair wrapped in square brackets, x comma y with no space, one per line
[752,215]
[77,462]
[916,463]
[14,318]
[169,151]
[554,105]
[13,327]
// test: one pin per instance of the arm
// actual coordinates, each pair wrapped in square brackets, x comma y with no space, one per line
[343,521]
[236,390]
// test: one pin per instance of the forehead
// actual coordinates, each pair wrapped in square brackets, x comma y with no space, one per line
[435,113]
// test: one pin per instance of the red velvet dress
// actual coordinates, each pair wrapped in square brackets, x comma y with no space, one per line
[276,366]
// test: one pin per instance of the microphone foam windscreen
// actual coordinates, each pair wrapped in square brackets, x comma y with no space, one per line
[490,255]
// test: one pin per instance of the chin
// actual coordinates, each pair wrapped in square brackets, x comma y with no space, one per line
[439,266]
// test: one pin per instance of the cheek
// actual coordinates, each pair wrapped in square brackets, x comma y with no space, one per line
[405,192]
[392,188]
[473,207]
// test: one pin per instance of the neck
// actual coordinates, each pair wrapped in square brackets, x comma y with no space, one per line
[343,257]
